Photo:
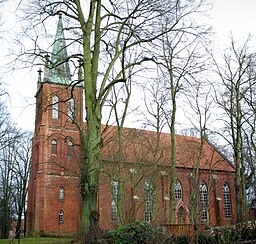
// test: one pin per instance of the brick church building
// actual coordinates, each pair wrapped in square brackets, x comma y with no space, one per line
[54,201]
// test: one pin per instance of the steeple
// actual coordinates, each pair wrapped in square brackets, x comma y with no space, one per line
[59,71]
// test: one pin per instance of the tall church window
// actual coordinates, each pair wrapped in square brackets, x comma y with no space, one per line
[55,107]
[114,199]
[178,190]
[227,203]
[148,193]
[70,149]
[54,147]
[61,193]
[71,107]
[203,201]
[61,217]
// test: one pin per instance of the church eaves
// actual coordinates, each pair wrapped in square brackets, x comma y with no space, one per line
[59,71]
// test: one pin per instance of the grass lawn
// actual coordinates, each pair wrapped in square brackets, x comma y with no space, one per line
[43,240]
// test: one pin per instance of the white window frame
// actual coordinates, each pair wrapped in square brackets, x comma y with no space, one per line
[55,107]
[61,193]
[70,149]
[204,202]
[54,147]
[227,201]
[114,199]
[61,217]
[148,197]
[178,190]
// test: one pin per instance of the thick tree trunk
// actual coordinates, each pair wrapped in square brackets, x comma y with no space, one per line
[93,141]
[90,172]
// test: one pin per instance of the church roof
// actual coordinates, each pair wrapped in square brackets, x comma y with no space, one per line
[140,147]
[59,71]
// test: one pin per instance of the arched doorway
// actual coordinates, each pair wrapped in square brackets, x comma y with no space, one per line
[181,216]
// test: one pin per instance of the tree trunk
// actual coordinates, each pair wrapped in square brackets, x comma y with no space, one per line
[120,176]
[237,142]
[173,176]
[195,183]
[90,172]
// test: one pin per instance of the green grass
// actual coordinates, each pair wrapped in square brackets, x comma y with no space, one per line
[43,240]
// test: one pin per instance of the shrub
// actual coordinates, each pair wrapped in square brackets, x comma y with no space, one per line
[230,236]
[216,239]
[132,233]
[246,233]
[182,240]
[253,234]
[203,239]
[137,233]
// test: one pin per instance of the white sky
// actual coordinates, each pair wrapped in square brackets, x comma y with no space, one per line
[238,16]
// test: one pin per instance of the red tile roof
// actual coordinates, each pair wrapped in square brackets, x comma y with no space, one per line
[140,147]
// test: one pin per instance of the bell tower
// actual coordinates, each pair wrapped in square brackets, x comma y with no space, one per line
[54,203]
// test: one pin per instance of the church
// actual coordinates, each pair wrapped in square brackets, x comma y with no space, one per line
[54,200]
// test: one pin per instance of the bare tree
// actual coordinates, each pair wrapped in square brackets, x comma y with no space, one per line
[248,133]
[7,193]
[6,126]
[156,102]
[179,57]
[237,80]
[21,171]
[102,32]
[13,185]
[199,101]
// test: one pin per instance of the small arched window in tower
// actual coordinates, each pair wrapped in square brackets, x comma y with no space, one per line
[71,108]
[178,190]
[203,202]
[70,149]
[54,146]
[148,193]
[61,194]
[227,203]
[55,107]
[61,217]
[114,199]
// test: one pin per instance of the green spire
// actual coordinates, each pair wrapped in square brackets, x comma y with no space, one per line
[59,72]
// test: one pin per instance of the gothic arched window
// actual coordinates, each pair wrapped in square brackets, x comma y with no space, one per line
[54,146]
[148,193]
[70,149]
[61,217]
[61,193]
[203,201]
[55,107]
[71,107]
[178,190]
[114,199]
[227,203]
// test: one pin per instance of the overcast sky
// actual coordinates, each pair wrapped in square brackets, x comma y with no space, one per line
[237,16]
